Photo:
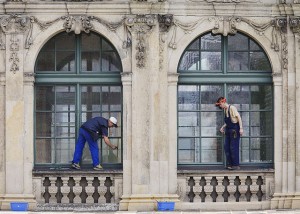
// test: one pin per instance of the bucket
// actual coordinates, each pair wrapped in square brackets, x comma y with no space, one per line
[166,205]
[19,206]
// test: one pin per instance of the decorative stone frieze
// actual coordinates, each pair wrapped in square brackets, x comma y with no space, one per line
[141,25]
[227,1]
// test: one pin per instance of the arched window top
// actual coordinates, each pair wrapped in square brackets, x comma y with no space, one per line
[218,54]
[84,53]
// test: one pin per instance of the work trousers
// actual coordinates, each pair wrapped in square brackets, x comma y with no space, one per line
[231,147]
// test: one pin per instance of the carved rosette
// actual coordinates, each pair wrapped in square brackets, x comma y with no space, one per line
[141,25]
[77,23]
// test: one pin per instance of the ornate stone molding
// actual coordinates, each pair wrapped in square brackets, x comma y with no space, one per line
[141,25]
[225,25]
[294,23]
[14,58]
[16,23]
[227,1]
[165,23]
[77,23]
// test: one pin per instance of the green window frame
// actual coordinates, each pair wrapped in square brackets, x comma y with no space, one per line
[77,77]
[210,68]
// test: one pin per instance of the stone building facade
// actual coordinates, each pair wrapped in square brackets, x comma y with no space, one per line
[153,40]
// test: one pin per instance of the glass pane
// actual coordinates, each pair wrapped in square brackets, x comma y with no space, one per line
[189,61]
[45,61]
[90,98]
[186,153]
[111,101]
[244,150]
[110,61]
[210,60]
[65,61]
[90,42]
[43,150]
[238,61]
[64,150]
[106,46]
[211,150]
[90,61]
[261,97]
[261,123]
[239,96]
[211,123]
[188,97]
[245,120]
[49,46]
[109,155]
[238,42]
[65,119]
[65,41]
[261,150]
[209,96]
[259,61]
[44,124]
[65,98]
[210,42]
[65,131]
[254,46]
[44,98]
[188,119]
[194,45]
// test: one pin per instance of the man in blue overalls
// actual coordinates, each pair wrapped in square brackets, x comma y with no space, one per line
[90,131]
[233,129]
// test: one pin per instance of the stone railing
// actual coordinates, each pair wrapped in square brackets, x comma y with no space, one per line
[225,186]
[73,190]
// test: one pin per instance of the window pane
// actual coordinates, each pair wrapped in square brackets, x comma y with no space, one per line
[90,98]
[90,42]
[238,61]
[44,98]
[65,41]
[194,45]
[238,42]
[65,98]
[211,61]
[64,150]
[188,97]
[258,61]
[261,150]
[90,61]
[209,96]
[110,62]
[65,61]
[190,61]
[254,46]
[239,96]
[186,153]
[211,123]
[188,119]
[45,123]
[261,123]
[210,42]
[45,61]
[211,150]
[244,150]
[43,151]
[109,155]
[261,97]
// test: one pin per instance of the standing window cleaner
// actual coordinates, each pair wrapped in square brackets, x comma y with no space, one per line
[233,129]
[90,132]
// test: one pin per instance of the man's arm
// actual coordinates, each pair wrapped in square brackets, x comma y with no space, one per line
[240,123]
[107,141]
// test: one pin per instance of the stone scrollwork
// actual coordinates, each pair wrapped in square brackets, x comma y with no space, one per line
[14,58]
[141,25]
[16,23]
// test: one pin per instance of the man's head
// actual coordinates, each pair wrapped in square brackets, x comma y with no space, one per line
[221,102]
[112,122]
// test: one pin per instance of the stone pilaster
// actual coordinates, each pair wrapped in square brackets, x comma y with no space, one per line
[18,149]
[150,147]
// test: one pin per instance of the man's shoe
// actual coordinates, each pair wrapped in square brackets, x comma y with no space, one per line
[98,167]
[236,167]
[229,167]
[75,166]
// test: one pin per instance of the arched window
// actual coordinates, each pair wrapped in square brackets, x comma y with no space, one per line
[77,78]
[235,67]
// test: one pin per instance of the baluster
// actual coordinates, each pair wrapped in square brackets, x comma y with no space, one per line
[208,189]
[102,190]
[52,190]
[89,189]
[220,189]
[231,188]
[243,188]
[197,189]
[77,189]
[254,188]
[65,190]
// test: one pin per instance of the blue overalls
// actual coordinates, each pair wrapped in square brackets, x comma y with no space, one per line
[232,141]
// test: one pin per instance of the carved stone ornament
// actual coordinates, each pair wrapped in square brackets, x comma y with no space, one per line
[165,22]
[141,25]
[14,48]
[16,23]
[227,1]
[77,24]
[295,24]
[225,25]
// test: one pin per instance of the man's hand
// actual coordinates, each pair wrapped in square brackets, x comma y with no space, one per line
[241,131]
[222,130]
[114,147]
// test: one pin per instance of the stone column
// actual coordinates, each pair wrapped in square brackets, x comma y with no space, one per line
[2,124]
[150,158]
[18,183]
